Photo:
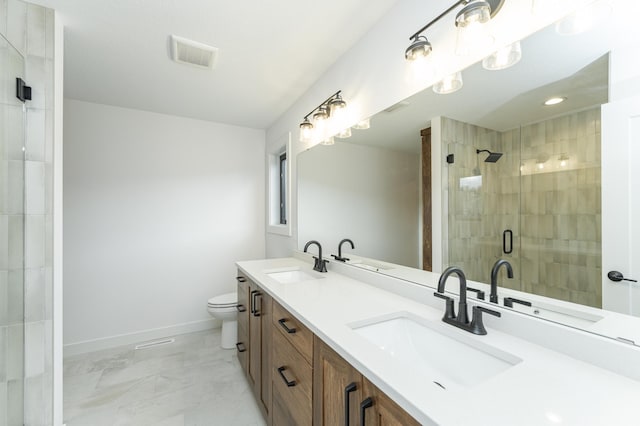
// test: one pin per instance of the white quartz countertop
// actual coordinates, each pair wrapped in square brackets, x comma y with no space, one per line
[545,388]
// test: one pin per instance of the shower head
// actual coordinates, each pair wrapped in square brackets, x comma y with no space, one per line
[493,156]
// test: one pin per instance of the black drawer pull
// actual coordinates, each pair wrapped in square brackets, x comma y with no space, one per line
[350,388]
[291,383]
[241,279]
[367,403]
[244,349]
[281,321]
[241,308]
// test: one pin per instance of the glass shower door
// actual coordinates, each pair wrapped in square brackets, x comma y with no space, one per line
[12,118]
[483,199]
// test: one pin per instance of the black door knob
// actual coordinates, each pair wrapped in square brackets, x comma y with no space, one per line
[617,276]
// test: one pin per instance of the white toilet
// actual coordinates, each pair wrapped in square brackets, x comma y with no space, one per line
[223,307]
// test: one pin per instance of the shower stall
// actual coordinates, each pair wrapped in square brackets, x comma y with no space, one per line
[537,205]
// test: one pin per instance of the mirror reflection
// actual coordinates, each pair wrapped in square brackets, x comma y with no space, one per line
[520,180]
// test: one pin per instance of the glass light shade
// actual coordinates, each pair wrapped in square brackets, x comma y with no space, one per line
[503,58]
[328,141]
[343,134]
[449,84]
[473,38]
[419,49]
[364,124]
[306,131]
[476,12]
[321,115]
[337,104]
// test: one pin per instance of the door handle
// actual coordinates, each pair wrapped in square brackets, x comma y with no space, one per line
[617,276]
[508,233]
[350,388]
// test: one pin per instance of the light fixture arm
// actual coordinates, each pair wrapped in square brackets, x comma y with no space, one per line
[437,18]
[325,103]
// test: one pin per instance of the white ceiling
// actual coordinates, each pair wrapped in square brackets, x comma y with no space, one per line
[271,52]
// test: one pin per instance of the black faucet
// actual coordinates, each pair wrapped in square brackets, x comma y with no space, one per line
[493,297]
[476,325]
[339,256]
[319,265]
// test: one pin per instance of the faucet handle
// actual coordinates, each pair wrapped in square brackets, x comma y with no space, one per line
[509,301]
[479,293]
[320,265]
[448,313]
[477,326]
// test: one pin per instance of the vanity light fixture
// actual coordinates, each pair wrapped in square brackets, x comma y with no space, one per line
[563,160]
[328,141]
[473,13]
[333,105]
[449,84]
[503,58]
[554,101]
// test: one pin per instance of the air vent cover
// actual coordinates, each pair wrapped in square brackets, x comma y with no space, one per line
[194,53]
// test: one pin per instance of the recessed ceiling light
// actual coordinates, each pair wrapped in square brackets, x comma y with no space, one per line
[554,101]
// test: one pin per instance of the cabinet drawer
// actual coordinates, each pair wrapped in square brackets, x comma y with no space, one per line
[297,334]
[292,401]
[242,347]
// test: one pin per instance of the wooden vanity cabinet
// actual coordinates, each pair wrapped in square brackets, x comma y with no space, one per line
[292,372]
[254,327]
[341,395]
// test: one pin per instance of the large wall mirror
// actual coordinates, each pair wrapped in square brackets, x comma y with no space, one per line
[520,180]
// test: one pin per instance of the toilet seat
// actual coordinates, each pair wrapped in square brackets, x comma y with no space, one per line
[227,300]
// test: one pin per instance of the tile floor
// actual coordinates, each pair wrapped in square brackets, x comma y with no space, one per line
[190,382]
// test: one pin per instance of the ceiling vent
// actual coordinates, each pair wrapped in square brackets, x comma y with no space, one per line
[191,52]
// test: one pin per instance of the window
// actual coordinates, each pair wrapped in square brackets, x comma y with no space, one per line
[279,159]
[283,188]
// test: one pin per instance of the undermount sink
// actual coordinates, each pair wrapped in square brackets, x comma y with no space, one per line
[445,357]
[370,265]
[292,275]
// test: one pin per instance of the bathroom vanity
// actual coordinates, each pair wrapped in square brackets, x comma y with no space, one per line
[333,347]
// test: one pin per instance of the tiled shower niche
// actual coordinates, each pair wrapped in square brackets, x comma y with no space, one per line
[545,190]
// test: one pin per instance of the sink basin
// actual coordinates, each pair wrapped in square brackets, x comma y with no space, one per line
[444,357]
[292,275]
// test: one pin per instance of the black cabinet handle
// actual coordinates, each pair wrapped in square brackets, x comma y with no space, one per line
[367,403]
[509,233]
[241,279]
[281,321]
[241,308]
[254,310]
[617,276]
[244,349]
[290,383]
[350,388]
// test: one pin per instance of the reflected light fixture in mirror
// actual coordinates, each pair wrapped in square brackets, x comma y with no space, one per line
[328,141]
[503,58]
[449,84]
[584,18]
[363,124]
[343,134]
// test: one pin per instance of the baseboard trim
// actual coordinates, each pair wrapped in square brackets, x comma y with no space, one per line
[86,346]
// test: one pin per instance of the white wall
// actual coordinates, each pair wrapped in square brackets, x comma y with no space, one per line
[374,75]
[367,194]
[157,209]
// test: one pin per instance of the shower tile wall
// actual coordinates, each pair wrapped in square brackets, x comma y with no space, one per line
[546,189]
[26,271]
[561,228]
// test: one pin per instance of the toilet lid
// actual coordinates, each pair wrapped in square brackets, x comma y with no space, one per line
[224,300]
